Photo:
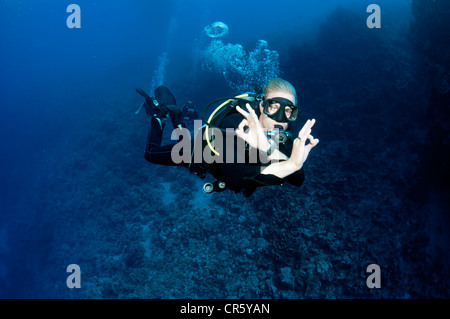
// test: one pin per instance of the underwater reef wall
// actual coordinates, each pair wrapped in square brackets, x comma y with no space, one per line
[429,34]
[144,231]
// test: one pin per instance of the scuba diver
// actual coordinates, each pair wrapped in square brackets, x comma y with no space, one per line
[260,123]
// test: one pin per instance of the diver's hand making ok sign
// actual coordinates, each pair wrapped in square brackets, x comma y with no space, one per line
[300,151]
[254,135]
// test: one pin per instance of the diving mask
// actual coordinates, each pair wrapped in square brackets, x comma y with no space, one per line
[280,109]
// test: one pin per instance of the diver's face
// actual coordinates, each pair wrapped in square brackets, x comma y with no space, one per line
[268,123]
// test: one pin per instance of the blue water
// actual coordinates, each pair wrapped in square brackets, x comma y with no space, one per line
[76,189]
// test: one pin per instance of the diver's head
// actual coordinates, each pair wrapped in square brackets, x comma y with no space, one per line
[279,106]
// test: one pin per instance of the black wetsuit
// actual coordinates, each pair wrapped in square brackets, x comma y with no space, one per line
[247,176]
[157,107]
[238,175]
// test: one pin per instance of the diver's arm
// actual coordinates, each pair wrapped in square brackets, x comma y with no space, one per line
[280,166]
[299,153]
[277,155]
[280,169]
[252,182]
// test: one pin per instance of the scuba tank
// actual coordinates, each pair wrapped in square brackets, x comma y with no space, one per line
[226,108]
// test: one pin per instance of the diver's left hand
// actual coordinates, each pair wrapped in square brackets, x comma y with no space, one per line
[254,135]
[300,151]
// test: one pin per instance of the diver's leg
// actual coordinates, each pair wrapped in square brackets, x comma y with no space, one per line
[155,134]
[147,98]
[176,118]
[154,152]
[152,106]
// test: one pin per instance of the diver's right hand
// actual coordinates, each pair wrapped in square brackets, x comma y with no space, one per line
[254,135]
